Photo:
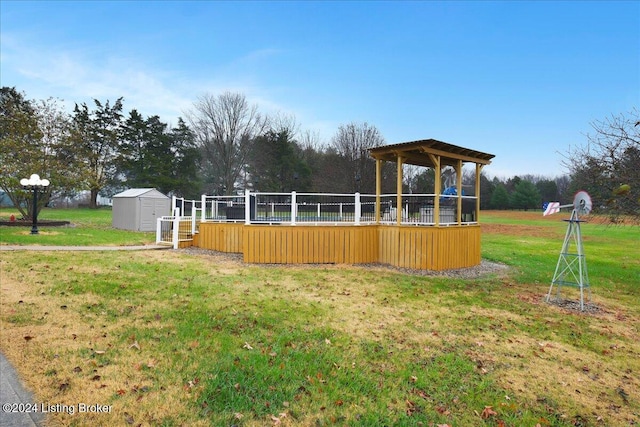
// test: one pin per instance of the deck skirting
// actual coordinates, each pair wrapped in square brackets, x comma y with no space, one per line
[423,248]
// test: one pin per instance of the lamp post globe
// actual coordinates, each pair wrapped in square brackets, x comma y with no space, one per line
[35,184]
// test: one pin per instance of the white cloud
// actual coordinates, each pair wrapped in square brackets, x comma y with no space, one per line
[78,75]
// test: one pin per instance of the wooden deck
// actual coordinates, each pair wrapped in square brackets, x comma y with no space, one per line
[221,237]
[416,247]
[429,248]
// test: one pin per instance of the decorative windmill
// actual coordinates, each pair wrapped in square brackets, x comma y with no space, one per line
[571,269]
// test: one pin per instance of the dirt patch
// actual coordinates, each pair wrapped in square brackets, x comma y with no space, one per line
[522,230]
[574,306]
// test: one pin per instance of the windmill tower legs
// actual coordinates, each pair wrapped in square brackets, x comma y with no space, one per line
[571,269]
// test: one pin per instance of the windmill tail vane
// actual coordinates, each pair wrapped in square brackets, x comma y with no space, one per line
[550,208]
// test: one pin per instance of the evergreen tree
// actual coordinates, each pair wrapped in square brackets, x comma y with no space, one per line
[526,196]
[96,135]
[186,161]
[500,197]
[131,162]
[276,164]
[153,156]
[548,190]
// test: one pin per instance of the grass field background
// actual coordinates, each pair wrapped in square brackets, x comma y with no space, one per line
[87,227]
[185,338]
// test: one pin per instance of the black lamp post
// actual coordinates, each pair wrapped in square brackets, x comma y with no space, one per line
[34,184]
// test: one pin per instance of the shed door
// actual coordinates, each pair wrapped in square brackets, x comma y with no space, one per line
[150,210]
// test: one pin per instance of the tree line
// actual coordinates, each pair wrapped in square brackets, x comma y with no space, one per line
[225,144]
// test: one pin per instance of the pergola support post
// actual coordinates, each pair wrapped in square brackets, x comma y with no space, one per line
[478,171]
[437,187]
[399,192]
[459,191]
[378,188]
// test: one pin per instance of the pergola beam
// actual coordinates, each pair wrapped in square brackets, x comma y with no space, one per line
[454,156]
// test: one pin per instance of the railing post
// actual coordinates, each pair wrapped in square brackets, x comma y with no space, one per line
[203,205]
[176,227]
[173,204]
[247,207]
[294,208]
[357,209]
[158,230]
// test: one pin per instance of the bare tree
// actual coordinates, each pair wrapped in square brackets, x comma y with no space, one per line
[281,122]
[352,142]
[225,126]
[310,140]
[609,165]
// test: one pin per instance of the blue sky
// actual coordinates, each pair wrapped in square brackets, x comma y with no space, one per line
[521,80]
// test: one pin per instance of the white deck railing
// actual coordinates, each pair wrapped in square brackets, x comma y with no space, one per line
[175,229]
[310,208]
[323,208]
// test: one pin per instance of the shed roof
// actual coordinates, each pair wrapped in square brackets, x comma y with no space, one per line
[420,153]
[137,192]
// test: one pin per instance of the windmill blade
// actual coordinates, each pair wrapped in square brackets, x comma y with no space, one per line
[582,203]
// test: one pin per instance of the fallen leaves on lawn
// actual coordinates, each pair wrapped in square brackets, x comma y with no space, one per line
[278,420]
[128,418]
[487,412]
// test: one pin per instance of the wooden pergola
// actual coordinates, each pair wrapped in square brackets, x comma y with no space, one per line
[434,154]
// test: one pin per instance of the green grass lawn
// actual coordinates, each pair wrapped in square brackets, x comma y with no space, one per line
[87,227]
[177,338]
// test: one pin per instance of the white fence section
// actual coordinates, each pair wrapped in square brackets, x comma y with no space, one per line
[175,229]
[418,209]
[223,208]
[323,208]
[310,208]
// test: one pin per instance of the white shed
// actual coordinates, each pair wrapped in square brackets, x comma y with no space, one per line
[138,208]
